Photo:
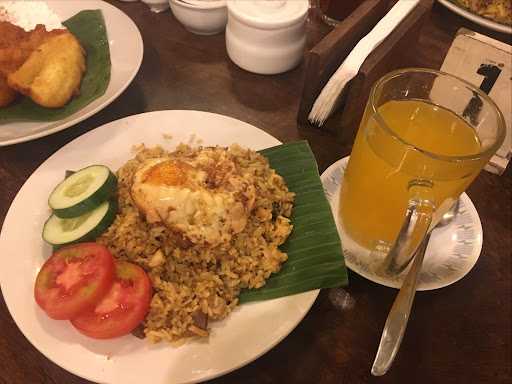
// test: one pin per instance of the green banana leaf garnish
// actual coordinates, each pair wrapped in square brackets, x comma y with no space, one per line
[315,257]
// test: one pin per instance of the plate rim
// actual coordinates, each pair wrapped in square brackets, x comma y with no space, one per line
[482,21]
[139,44]
[310,296]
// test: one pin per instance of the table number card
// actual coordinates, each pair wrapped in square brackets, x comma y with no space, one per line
[486,63]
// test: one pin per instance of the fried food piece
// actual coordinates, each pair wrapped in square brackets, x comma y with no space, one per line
[52,73]
[7,94]
[10,37]
[11,51]
[16,45]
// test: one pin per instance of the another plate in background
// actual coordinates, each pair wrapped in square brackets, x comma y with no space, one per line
[126,49]
[484,22]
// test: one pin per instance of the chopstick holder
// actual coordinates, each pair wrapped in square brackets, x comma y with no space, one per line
[326,101]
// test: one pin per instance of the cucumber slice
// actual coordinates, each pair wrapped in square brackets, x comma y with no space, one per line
[87,227]
[82,191]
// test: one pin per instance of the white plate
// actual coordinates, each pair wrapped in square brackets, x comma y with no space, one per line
[476,18]
[246,334]
[452,251]
[126,49]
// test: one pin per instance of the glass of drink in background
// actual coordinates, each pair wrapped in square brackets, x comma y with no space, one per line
[424,137]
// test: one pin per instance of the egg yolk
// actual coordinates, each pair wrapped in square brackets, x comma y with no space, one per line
[170,173]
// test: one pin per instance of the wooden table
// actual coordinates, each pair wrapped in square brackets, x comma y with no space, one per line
[459,334]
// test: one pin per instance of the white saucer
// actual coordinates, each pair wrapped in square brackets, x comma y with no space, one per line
[452,250]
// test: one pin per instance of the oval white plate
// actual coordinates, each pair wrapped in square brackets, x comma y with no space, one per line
[126,49]
[246,334]
[476,18]
[451,253]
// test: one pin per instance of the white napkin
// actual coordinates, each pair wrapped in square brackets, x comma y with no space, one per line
[326,101]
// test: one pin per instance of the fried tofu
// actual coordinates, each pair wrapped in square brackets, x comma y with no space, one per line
[52,73]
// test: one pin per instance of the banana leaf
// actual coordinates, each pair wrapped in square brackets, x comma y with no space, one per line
[315,257]
[89,28]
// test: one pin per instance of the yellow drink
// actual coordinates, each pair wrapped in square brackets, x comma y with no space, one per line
[382,167]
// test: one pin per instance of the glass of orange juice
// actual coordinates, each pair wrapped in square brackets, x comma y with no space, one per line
[424,137]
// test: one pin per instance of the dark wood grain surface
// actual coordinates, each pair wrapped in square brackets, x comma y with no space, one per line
[459,334]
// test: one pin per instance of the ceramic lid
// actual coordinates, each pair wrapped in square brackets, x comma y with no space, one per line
[269,14]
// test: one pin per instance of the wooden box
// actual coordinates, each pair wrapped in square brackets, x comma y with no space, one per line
[325,58]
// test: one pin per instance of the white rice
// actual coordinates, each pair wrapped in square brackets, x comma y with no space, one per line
[27,14]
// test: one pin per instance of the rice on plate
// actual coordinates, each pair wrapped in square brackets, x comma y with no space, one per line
[204,223]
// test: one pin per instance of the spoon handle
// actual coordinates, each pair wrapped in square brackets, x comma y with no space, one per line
[398,316]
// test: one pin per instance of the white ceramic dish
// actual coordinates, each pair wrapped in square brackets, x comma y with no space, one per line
[476,18]
[126,49]
[452,250]
[157,6]
[209,18]
[246,334]
[266,37]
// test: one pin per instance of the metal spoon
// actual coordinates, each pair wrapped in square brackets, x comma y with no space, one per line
[398,317]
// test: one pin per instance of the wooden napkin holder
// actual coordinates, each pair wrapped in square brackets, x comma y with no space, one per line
[325,58]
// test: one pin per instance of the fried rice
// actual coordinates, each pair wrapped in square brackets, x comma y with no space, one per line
[197,283]
[496,10]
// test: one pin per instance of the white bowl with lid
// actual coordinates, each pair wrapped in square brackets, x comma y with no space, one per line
[202,17]
[266,36]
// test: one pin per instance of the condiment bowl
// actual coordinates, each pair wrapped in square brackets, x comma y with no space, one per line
[202,18]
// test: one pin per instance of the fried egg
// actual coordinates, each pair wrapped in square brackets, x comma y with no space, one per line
[202,198]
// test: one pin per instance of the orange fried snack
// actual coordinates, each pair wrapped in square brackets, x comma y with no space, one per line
[52,73]
[7,94]
[16,46]
[10,36]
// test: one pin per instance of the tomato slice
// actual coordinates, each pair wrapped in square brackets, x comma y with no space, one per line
[122,308]
[74,279]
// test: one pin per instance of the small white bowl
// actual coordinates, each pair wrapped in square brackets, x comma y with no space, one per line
[157,6]
[266,37]
[208,18]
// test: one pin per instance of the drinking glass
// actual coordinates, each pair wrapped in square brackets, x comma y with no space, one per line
[424,137]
